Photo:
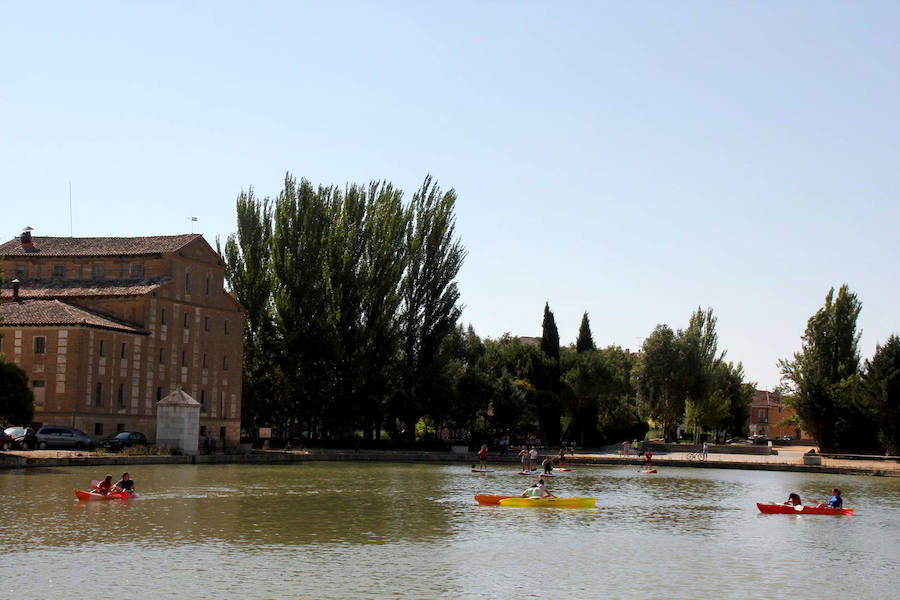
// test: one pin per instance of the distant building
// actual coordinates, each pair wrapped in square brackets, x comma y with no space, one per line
[767,411]
[106,327]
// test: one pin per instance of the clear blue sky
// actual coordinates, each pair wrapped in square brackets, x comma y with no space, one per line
[635,160]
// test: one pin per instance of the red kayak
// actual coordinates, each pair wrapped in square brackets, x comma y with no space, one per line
[490,498]
[649,471]
[788,509]
[98,496]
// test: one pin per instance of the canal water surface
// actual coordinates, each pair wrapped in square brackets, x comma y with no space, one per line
[377,530]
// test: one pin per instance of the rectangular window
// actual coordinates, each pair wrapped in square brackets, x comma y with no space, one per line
[98,270]
[98,394]
[161,361]
[122,355]
[162,316]
[120,427]
[207,286]
[21,271]
[203,401]
[137,270]
[204,361]
[120,398]
[226,326]
[101,347]
[205,323]
[762,415]
[222,408]
[40,345]
[98,428]
[187,321]
[187,283]
[224,363]
[184,359]
[158,394]
[59,270]
[38,383]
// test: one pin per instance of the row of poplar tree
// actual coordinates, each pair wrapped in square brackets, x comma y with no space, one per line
[352,312]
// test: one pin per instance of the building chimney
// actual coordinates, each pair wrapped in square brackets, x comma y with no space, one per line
[26,238]
[15,283]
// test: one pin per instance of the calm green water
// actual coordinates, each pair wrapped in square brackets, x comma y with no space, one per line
[339,530]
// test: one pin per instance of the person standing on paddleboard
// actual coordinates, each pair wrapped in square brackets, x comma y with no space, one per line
[523,454]
[548,466]
[482,456]
[649,457]
[533,456]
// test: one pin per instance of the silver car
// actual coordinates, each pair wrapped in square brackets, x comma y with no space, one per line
[64,437]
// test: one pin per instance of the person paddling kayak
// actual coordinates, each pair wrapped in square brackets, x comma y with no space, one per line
[105,486]
[836,501]
[126,484]
[545,493]
[793,499]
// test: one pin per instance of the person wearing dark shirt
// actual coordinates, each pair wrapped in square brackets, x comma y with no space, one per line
[126,484]
[794,500]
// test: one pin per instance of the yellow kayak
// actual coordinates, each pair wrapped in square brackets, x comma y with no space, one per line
[570,502]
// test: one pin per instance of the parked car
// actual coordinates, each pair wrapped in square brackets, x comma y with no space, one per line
[6,441]
[123,439]
[64,437]
[23,437]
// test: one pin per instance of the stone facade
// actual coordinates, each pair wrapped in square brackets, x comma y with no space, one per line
[108,327]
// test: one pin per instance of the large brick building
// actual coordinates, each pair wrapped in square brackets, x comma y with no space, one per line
[106,327]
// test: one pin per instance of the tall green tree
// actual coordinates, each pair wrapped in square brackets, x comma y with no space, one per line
[585,341]
[430,297]
[821,376]
[248,272]
[661,379]
[705,405]
[881,383]
[302,223]
[547,399]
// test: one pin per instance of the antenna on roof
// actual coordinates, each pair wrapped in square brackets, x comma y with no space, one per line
[193,219]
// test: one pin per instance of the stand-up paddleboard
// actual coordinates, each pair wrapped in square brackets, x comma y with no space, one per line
[536,474]
[482,470]
[649,471]
[563,469]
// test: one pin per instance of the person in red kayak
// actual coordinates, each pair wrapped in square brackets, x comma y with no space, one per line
[482,456]
[649,457]
[126,484]
[836,501]
[794,499]
[105,486]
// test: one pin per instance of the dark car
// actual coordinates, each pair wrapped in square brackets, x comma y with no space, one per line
[23,437]
[64,437]
[123,439]
[6,441]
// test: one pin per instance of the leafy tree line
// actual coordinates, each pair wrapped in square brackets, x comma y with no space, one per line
[351,300]
[842,403]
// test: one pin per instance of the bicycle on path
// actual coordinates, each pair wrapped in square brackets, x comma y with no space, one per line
[699,456]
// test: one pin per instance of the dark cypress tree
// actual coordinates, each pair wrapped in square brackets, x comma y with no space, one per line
[585,340]
[547,399]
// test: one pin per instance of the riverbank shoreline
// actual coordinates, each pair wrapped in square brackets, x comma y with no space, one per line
[783,461]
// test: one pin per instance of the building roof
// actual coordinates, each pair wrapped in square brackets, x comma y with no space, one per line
[69,288]
[178,398]
[55,313]
[97,246]
[764,399]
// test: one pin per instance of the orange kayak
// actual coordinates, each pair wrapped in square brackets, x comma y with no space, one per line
[490,498]
[97,496]
[787,509]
